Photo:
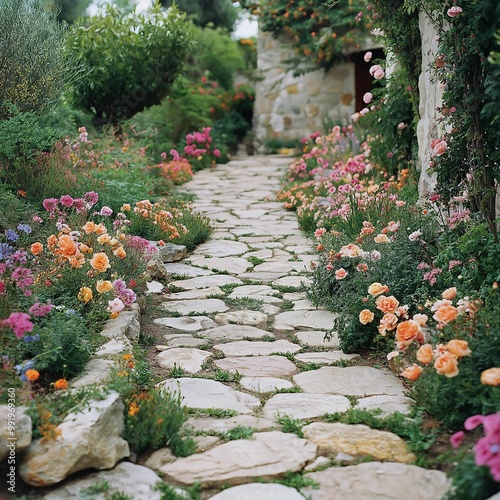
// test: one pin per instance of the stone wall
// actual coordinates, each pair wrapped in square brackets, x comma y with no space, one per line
[288,107]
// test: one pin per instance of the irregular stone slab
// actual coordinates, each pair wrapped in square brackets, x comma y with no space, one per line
[114,346]
[324,358]
[206,281]
[274,267]
[154,287]
[125,326]
[260,366]
[136,480]
[247,348]
[270,309]
[209,424]
[293,281]
[197,293]
[357,440]
[264,384]
[221,248]
[89,439]
[233,265]
[242,317]
[265,277]
[21,436]
[305,406]
[378,481]
[236,332]
[195,306]
[200,393]
[294,320]
[189,359]
[97,371]
[294,296]
[186,270]
[159,458]
[317,339]
[182,341]
[387,404]
[319,462]
[187,323]
[300,249]
[267,456]
[204,443]
[251,214]
[253,491]
[350,381]
[303,305]
[172,253]
[264,253]
[252,291]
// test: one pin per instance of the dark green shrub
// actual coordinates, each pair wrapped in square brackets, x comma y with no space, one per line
[130,60]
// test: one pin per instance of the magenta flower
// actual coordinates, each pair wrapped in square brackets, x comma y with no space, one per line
[472,422]
[454,11]
[216,153]
[19,323]
[38,309]
[457,438]
[50,204]
[66,200]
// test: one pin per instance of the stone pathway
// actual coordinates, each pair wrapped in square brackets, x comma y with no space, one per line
[245,342]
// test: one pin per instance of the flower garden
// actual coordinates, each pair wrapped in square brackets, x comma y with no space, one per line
[92,160]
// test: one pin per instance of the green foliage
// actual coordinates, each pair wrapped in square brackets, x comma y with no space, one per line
[71,10]
[13,209]
[34,68]
[471,481]
[297,480]
[168,492]
[131,60]
[453,400]
[291,424]
[217,13]
[239,432]
[321,31]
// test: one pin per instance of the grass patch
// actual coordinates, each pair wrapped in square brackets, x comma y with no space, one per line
[297,480]
[245,303]
[168,492]
[227,376]
[255,260]
[286,305]
[291,424]
[239,432]
[211,412]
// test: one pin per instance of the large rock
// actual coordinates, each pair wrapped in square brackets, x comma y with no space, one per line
[233,265]
[179,269]
[211,424]
[197,293]
[317,339]
[88,439]
[255,491]
[378,481]
[134,480]
[293,281]
[235,332]
[252,291]
[200,393]
[295,320]
[172,253]
[264,384]
[386,404]
[12,442]
[125,326]
[261,366]
[268,456]
[357,440]
[189,359]
[305,406]
[324,358]
[247,348]
[97,371]
[241,317]
[222,248]
[206,282]
[350,381]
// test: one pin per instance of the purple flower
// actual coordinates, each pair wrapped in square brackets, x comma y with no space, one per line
[50,204]
[91,197]
[106,211]
[128,296]
[31,338]
[11,235]
[119,285]
[80,205]
[6,251]
[25,228]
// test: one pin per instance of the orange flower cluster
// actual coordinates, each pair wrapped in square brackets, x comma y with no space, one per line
[160,216]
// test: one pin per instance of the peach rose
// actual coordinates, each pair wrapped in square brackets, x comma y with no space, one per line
[103,239]
[412,372]
[440,148]
[458,348]
[446,364]
[85,249]
[421,319]
[407,332]
[491,376]
[77,261]
[449,293]
[340,274]
[67,246]
[387,323]
[366,316]
[445,314]
[101,229]
[100,262]
[36,248]
[85,294]
[52,241]
[89,227]
[387,304]
[381,238]
[377,288]
[120,253]
[104,286]
[425,354]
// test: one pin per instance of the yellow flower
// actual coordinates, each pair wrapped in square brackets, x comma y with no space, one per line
[104,286]
[133,409]
[85,294]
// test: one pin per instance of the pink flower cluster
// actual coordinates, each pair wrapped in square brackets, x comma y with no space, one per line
[199,143]
[55,206]
[487,449]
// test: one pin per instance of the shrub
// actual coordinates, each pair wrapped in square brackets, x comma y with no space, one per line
[130,60]
[35,67]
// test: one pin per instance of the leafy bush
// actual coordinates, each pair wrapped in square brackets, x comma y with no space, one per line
[130,60]
[35,67]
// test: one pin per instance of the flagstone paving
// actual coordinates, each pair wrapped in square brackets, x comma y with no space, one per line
[240,342]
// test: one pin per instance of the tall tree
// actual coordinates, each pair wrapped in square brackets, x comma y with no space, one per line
[220,13]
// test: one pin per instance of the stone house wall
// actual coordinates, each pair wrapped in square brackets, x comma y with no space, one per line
[288,107]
